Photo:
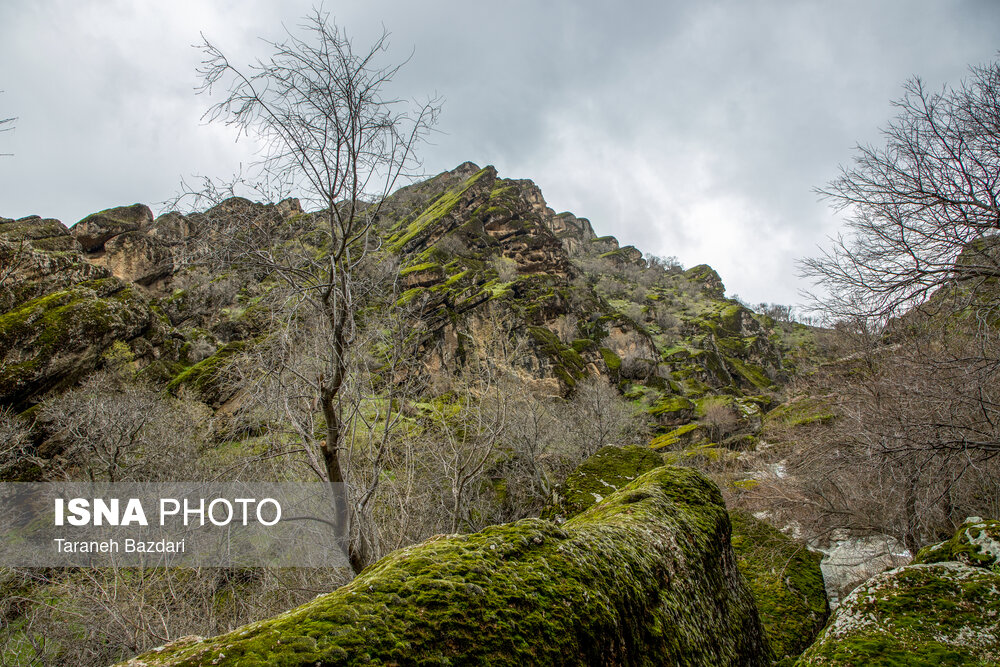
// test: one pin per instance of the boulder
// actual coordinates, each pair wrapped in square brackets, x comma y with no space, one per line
[608,470]
[644,577]
[45,234]
[787,584]
[976,543]
[926,614]
[51,341]
[137,257]
[95,230]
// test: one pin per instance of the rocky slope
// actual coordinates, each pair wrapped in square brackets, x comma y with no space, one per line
[466,238]
[477,253]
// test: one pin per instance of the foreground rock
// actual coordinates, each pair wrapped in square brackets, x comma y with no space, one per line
[976,543]
[608,470]
[925,614]
[783,575]
[645,577]
[787,584]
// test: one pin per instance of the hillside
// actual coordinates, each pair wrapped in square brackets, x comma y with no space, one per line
[505,363]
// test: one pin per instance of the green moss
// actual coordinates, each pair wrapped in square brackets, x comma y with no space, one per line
[599,476]
[611,360]
[786,582]
[79,323]
[203,377]
[645,577]
[677,436]
[442,206]
[417,268]
[925,614]
[976,543]
[754,375]
[674,407]
[800,412]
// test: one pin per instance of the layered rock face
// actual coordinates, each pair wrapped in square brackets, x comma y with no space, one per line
[61,311]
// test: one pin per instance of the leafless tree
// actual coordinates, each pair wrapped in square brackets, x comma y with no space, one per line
[924,209]
[911,451]
[915,281]
[599,416]
[329,132]
[115,430]
[16,450]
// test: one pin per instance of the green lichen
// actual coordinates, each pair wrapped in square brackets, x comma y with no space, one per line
[786,582]
[646,577]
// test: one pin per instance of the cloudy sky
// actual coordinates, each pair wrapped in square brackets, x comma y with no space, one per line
[694,129]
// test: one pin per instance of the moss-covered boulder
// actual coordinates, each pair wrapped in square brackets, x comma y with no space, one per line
[976,543]
[786,582]
[924,614]
[599,476]
[646,577]
[51,341]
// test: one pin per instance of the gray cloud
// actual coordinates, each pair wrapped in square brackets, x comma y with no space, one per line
[688,129]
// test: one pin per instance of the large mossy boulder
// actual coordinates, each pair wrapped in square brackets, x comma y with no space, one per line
[608,470]
[786,581]
[976,543]
[917,615]
[645,577]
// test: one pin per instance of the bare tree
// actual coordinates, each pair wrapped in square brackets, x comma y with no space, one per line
[116,430]
[924,208]
[600,416]
[915,279]
[16,450]
[329,132]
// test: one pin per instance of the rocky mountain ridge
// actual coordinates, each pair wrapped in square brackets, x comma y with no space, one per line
[475,260]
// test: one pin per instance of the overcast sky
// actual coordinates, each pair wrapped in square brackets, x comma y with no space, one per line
[694,129]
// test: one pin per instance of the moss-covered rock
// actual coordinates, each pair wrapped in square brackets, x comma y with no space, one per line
[976,543]
[205,377]
[786,582]
[646,577]
[53,340]
[599,476]
[924,614]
